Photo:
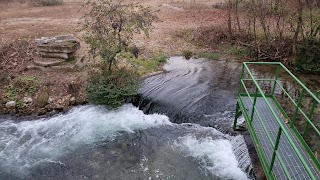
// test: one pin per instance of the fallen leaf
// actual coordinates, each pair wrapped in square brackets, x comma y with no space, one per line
[287,121]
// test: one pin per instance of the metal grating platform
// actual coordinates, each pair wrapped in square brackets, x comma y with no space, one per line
[285,150]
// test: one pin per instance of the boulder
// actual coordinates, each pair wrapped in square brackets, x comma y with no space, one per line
[11,104]
[63,46]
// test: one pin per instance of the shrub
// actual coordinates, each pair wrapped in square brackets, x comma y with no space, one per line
[308,56]
[26,84]
[239,52]
[109,27]
[145,65]
[46,2]
[187,54]
[22,86]
[160,58]
[10,93]
[210,55]
[112,89]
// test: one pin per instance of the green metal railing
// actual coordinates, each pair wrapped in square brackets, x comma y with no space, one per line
[250,86]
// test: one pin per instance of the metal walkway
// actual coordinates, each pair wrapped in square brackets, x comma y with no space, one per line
[280,143]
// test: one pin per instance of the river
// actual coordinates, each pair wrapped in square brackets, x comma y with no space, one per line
[181,128]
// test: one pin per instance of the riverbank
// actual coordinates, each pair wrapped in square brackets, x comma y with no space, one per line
[191,91]
[37,93]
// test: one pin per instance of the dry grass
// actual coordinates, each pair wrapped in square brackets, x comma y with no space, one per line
[21,21]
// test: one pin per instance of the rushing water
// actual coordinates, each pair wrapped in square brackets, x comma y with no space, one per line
[95,143]
[182,131]
[195,91]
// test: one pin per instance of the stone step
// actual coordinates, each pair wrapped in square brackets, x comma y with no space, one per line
[56,55]
[63,46]
[47,63]
[51,68]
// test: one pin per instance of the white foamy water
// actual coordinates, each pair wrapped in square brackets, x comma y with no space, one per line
[29,143]
[216,155]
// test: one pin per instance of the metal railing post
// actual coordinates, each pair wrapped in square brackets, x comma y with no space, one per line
[254,104]
[275,150]
[237,108]
[291,142]
[314,105]
[276,79]
[242,73]
[297,108]
[236,117]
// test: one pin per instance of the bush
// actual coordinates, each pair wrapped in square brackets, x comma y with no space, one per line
[187,54]
[109,27]
[112,89]
[160,58]
[46,2]
[210,55]
[308,57]
[22,86]
[239,52]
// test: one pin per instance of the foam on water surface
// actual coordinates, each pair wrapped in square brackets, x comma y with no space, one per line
[26,144]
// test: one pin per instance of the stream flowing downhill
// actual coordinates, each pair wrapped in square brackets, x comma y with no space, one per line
[166,137]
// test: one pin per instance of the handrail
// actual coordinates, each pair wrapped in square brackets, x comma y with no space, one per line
[283,130]
[300,110]
[302,160]
[290,73]
[304,88]
[268,135]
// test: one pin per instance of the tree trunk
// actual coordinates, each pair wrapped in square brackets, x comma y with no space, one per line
[297,30]
[229,20]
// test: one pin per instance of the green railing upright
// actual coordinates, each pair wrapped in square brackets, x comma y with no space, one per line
[298,106]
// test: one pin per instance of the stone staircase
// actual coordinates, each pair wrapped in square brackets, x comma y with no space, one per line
[58,52]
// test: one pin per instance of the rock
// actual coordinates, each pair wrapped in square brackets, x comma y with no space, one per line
[36,68]
[42,99]
[58,44]
[60,55]
[50,100]
[11,104]
[62,68]
[27,100]
[48,63]
[72,101]
[63,46]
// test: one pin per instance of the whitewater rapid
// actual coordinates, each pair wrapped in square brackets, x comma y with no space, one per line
[27,144]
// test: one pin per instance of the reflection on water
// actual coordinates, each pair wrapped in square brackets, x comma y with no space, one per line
[194,91]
